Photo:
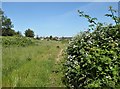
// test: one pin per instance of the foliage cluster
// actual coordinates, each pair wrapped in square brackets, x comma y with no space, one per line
[18,41]
[29,33]
[93,58]
[7,25]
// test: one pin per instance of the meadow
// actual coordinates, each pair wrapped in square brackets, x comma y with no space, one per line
[37,64]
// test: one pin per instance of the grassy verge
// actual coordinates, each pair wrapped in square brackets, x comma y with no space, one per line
[30,66]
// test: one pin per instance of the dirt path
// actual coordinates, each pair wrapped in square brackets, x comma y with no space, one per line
[59,55]
[55,73]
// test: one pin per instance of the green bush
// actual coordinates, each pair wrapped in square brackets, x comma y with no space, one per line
[16,41]
[93,58]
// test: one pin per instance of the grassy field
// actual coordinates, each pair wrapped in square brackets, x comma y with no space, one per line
[32,66]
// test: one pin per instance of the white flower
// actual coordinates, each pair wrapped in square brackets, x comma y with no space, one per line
[89,42]
[116,44]
[69,42]
[69,56]
[76,62]
[82,40]
[97,45]
[108,77]
[70,59]
[74,46]
[86,54]
[73,56]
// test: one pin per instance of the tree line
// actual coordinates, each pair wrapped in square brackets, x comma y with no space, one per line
[6,27]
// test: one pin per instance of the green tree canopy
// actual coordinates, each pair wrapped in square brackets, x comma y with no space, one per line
[29,33]
[6,25]
[51,37]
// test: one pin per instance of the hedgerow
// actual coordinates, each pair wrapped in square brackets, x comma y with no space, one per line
[93,57]
[16,41]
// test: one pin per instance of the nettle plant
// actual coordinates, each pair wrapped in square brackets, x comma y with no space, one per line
[93,57]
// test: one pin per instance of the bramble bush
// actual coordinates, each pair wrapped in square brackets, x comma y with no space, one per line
[93,57]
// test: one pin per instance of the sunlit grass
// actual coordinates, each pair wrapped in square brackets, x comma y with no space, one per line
[30,66]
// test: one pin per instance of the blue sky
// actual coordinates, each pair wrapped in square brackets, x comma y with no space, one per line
[55,18]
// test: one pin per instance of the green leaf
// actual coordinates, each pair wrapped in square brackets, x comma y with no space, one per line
[115,72]
[99,68]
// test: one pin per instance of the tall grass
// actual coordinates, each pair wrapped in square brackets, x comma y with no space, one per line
[29,66]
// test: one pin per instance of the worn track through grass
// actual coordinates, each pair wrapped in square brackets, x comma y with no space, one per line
[35,72]
[56,74]
[59,55]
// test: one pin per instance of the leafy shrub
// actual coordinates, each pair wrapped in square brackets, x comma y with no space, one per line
[18,41]
[93,58]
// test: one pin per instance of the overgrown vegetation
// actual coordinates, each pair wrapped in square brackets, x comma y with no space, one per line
[16,41]
[93,58]
[31,66]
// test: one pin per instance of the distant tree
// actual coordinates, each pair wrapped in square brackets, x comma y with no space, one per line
[29,33]
[37,37]
[8,32]
[1,13]
[6,25]
[51,37]
[6,22]
[18,33]
[47,38]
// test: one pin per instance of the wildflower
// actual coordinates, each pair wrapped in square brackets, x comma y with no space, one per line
[69,56]
[71,59]
[76,62]
[108,77]
[74,46]
[73,56]
[89,42]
